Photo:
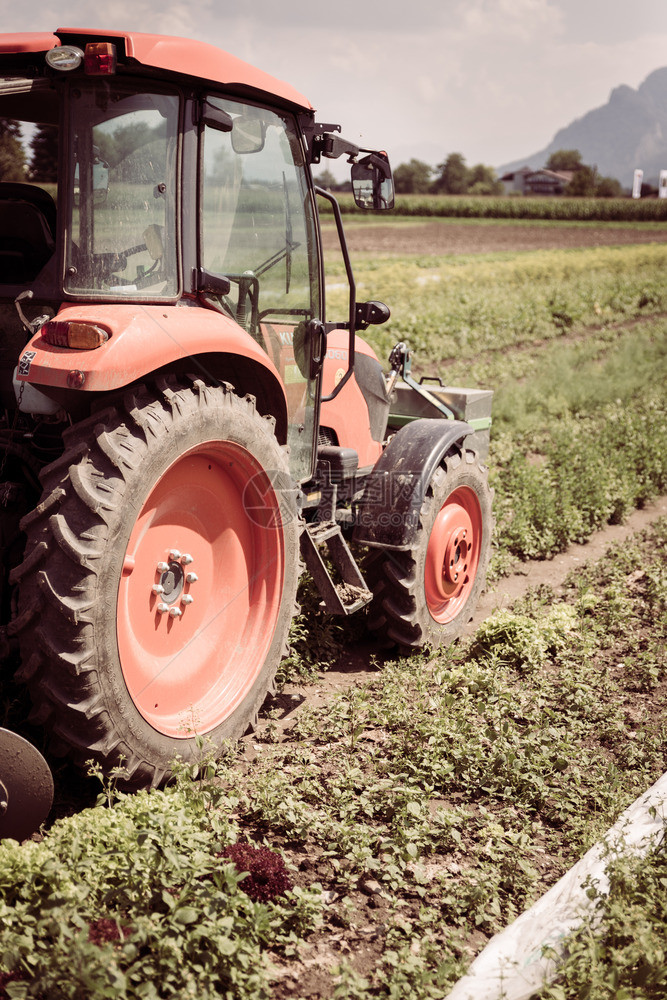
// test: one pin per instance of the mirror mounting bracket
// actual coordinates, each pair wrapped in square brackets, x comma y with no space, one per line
[324,142]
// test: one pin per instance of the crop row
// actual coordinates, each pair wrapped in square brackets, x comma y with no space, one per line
[565,209]
[574,345]
[450,309]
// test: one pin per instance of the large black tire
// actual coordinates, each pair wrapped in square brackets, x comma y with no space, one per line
[426,594]
[185,475]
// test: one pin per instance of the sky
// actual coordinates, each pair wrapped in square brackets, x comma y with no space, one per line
[491,79]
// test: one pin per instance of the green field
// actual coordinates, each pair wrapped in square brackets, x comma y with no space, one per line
[421,809]
[574,345]
[464,206]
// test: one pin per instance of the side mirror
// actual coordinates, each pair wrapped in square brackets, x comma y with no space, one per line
[248,135]
[372,182]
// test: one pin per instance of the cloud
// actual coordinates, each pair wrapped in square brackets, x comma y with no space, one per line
[171,18]
[493,79]
[520,20]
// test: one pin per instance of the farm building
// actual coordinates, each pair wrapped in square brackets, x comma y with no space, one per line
[516,180]
[543,181]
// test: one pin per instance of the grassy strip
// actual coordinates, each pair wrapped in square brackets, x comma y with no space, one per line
[577,474]
[366,220]
[566,209]
[455,308]
[417,813]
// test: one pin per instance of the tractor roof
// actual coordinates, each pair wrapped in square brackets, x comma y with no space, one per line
[164,52]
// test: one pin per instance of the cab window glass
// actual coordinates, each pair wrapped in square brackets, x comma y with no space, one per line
[256,212]
[123,184]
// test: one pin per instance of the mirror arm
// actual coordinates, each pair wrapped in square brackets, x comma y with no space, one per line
[351,324]
[334,146]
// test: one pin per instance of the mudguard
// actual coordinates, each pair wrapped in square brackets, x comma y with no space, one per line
[146,338]
[142,338]
[388,515]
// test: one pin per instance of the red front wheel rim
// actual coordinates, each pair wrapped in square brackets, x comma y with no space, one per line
[200,590]
[452,556]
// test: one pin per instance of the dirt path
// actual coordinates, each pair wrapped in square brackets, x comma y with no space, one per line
[446,237]
[356,665]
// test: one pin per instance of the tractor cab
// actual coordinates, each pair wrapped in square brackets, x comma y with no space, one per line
[170,191]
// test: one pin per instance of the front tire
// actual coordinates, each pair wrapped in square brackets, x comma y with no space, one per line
[425,595]
[159,579]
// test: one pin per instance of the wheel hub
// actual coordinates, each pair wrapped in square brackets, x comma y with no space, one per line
[455,565]
[448,553]
[172,582]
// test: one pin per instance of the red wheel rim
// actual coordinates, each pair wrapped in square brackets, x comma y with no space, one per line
[452,555]
[209,533]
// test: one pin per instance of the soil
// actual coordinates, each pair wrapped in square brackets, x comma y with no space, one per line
[446,237]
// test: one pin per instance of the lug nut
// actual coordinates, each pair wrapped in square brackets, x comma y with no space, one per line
[191,577]
[162,567]
[162,607]
[157,588]
[175,612]
[186,559]
[187,599]
[174,555]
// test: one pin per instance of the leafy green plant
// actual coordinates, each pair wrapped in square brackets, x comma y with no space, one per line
[265,873]
[137,900]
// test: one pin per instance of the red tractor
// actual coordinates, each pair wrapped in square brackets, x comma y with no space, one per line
[182,425]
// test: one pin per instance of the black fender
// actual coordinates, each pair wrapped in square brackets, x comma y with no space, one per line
[388,514]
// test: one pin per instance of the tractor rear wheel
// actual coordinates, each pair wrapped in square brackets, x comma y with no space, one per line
[159,579]
[425,595]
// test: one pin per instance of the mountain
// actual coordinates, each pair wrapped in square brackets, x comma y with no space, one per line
[629,131]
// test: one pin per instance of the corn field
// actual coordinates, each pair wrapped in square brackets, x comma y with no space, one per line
[562,209]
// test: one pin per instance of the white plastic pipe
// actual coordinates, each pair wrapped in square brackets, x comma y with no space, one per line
[513,965]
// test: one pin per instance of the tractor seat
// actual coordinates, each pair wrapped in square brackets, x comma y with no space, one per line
[27,231]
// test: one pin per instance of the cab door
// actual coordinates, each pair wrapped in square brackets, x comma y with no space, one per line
[257,228]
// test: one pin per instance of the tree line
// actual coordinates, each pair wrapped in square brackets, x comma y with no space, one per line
[454,176]
[416,177]
[42,166]
[586,181]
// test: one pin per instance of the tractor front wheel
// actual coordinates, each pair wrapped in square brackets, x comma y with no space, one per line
[424,594]
[159,579]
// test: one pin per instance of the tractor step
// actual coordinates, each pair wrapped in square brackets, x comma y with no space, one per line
[349,593]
